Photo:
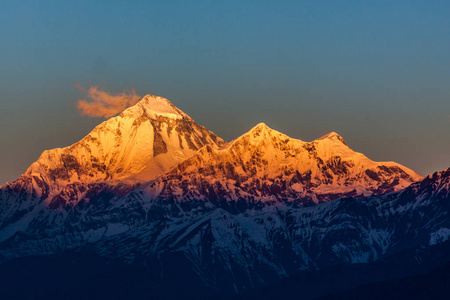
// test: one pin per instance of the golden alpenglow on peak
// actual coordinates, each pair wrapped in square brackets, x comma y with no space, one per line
[155,106]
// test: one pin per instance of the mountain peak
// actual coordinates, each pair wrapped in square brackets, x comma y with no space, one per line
[155,106]
[262,132]
[261,127]
[333,136]
[260,135]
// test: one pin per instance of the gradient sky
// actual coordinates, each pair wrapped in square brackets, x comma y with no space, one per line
[376,72]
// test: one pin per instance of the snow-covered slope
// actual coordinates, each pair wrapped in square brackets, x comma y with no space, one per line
[266,165]
[137,146]
[241,250]
[236,251]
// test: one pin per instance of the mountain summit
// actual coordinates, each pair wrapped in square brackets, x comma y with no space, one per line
[155,107]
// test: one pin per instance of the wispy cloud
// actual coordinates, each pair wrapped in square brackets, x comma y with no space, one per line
[99,103]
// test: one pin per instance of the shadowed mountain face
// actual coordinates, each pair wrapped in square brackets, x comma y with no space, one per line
[207,251]
[151,189]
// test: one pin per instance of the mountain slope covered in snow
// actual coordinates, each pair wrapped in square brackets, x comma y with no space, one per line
[266,165]
[138,145]
[235,252]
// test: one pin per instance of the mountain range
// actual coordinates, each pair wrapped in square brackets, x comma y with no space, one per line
[153,193]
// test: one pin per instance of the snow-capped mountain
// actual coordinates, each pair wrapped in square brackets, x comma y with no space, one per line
[152,187]
[155,141]
[118,155]
[138,145]
[266,165]
[155,153]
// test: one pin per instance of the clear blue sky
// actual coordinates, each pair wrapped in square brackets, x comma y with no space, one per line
[376,72]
